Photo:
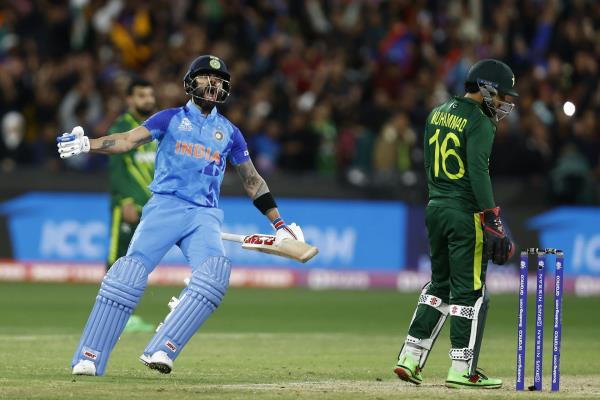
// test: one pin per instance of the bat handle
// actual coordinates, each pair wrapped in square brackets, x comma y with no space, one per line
[232,237]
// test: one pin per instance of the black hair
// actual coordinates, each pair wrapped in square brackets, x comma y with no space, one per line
[137,82]
[471,87]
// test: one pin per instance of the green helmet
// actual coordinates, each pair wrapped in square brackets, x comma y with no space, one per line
[493,73]
[492,77]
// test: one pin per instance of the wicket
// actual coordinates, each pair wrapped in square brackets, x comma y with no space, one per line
[539,318]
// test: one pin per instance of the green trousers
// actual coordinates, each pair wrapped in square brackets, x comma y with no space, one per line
[458,268]
[120,235]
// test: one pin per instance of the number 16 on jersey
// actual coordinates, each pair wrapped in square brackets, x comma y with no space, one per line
[446,155]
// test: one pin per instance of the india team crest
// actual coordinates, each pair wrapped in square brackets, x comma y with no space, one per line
[218,135]
[215,63]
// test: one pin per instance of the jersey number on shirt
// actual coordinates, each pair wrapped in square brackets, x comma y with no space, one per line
[445,152]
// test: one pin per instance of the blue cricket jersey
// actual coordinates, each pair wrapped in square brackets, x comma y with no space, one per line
[192,153]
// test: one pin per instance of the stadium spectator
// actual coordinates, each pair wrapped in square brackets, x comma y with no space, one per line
[14,150]
[328,61]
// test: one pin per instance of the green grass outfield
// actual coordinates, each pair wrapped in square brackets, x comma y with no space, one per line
[276,344]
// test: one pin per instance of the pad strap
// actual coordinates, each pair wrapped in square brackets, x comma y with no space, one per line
[462,311]
[423,343]
[433,301]
[464,354]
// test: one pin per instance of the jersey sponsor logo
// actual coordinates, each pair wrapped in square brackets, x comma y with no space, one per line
[185,125]
[448,120]
[196,150]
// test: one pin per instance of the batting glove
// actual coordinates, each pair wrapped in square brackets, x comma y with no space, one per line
[284,231]
[498,246]
[71,144]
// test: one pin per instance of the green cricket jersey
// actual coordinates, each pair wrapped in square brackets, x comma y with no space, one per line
[131,172]
[458,143]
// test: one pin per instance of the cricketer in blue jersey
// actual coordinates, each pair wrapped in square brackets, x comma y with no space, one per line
[194,144]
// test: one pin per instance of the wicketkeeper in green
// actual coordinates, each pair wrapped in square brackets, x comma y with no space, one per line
[130,174]
[463,224]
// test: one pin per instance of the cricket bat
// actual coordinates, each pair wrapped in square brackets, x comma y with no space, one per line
[289,248]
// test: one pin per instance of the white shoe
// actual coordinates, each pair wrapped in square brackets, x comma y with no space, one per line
[84,367]
[159,361]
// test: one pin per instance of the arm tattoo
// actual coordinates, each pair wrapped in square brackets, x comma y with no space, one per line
[143,141]
[254,184]
[106,143]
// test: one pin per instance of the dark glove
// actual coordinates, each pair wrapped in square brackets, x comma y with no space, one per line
[498,246]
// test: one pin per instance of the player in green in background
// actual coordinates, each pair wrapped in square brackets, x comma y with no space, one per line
[130,174]
[463,224]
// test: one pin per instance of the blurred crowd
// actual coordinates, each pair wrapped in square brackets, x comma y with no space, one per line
[330,87]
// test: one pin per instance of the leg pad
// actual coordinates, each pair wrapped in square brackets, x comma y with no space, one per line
[120,291]
[425,344]
[477,314]
[202,296]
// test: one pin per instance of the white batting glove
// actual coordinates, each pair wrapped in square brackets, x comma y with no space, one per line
[291,231]
[71,144]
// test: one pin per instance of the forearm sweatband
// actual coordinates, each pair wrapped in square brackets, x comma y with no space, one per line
[265,202]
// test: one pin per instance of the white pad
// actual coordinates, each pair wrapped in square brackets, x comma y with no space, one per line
[427,343]
[471,353]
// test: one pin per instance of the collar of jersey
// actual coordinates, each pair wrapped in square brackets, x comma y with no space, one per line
[195,111]
[130,115]
[468,100]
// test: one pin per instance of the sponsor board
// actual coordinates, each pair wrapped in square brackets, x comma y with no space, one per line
[71,227]
[261,277]
[576,230]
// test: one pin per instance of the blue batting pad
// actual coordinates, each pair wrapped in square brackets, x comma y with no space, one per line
[120,291]
[203,295]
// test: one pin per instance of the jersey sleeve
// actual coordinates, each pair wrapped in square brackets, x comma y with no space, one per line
[479,148]
[158,123]
[239,149]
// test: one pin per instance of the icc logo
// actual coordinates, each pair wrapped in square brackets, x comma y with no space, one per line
[72,239]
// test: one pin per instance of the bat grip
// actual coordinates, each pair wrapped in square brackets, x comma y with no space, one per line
[232,237]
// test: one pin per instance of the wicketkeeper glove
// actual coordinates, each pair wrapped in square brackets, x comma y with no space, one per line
[284,231]
[498,246]
[71,144]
